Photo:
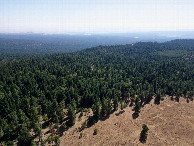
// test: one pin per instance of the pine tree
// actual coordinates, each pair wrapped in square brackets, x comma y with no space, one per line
[38,130]
[1,133]
[144,133]
[104,107]
[73,104]
[121,102]
[96,110]
[137,106]
[115,102]
[71,115]
[109,106]
[158,97]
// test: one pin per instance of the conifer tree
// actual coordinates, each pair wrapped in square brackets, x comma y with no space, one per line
[104,107]
[96,110]
[115,102]
[137,106]
[71,115]
[144,133]
[109,106]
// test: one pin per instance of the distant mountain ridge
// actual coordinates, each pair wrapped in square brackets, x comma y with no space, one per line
[37,44]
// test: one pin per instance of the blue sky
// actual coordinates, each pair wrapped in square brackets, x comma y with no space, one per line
[95,16]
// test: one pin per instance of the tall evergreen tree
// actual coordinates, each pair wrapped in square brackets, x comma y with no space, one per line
[71,115]
[96,110]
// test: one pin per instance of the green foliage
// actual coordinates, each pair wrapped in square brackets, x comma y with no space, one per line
[104,110]
[53,138]
[57,140]
[24,137]
[9,143]
[64,127]
[38,129]
[81,135]
[42,142]
[115,102]
[71,115]
[31,87]
[121,103]
[144,133]
[33,143]
[137,106]
[50,139]
[96,110]
[1,133]
[109,106]
[81,115]
[45,118]
[74,105]
[95,131]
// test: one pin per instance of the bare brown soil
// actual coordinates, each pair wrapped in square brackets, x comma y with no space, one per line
[169,123]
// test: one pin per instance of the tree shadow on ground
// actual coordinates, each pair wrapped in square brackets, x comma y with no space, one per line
[177,99]
[103,118]
[142,140]
[131,104]
[135,115]
[147,101]
[45,124]
[62,129]
[120,112]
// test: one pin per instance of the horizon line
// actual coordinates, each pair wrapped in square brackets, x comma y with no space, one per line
[103,32]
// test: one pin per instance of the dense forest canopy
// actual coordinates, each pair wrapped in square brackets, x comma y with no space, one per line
[42,86]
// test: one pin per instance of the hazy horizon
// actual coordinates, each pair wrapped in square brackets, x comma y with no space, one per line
[91,16]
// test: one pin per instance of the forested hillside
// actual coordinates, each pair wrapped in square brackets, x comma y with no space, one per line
[29,44]
[39,88]
[19,45]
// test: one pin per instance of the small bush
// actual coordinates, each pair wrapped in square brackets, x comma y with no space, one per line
[56,125]
[64,127]
[53,138]
[95,131]
[81,114]
[33,143]
[81,135]
[42,142]
[9,143]
[56,140]
[45,118]
[144,133]
[49,139]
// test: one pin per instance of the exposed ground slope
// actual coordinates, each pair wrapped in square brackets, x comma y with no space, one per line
[170,123]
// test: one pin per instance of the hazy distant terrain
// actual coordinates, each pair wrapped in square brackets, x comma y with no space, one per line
[34,44]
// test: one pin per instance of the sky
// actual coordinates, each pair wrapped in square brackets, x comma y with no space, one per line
[95,16]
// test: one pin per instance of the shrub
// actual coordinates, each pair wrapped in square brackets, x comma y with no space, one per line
[63,127]
[144,133]
[81,114]
[95,131]
[81,135]
[9,143]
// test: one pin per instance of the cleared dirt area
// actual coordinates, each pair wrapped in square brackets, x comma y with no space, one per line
[169,123]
